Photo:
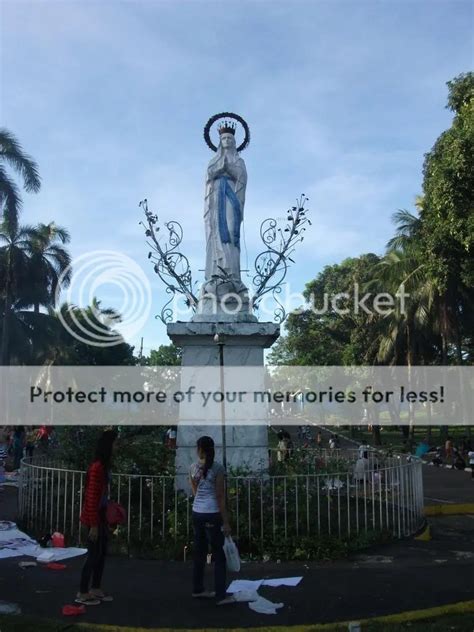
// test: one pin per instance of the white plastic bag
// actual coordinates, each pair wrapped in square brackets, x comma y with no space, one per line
[231,555]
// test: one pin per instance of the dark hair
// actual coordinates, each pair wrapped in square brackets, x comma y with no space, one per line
[206,445]
[103,451]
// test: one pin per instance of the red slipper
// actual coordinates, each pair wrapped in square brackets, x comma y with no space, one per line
[71,611]
[55,566]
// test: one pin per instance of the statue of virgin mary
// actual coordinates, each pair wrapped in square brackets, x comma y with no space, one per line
[226,181]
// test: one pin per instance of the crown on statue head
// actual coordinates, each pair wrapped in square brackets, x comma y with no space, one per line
[227,127]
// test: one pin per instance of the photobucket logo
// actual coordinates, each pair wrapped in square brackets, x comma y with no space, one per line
[92,273]
[354,302]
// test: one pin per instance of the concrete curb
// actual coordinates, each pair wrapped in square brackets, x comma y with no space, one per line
[449,510]
[462,607]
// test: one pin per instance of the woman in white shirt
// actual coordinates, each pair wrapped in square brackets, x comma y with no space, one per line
[210,521]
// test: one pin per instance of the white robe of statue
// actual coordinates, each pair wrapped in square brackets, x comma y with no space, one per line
[226,181]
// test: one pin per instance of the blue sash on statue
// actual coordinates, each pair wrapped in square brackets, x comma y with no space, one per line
[226,192]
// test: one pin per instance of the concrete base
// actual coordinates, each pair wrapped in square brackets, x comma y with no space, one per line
[243,345]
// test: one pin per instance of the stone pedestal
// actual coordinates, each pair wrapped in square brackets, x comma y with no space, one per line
[243,346]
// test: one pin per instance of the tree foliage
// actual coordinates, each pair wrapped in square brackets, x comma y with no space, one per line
[430,257]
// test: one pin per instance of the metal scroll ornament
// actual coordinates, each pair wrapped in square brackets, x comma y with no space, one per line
[169,263]
[271,265]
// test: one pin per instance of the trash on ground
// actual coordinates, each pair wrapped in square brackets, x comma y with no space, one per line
[282,581]
[54,566]
[27,564]
[264,606]
[73,611]
[6,607]
[57,540]
[245,591]
[15,543]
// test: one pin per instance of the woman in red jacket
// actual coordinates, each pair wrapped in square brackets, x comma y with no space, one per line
[93,516]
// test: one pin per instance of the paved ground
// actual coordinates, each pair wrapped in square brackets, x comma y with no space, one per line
[400,576]
[446,486]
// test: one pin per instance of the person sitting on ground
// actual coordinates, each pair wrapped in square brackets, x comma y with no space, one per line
[210,521]
[459,462]
[437,459]
[93,516]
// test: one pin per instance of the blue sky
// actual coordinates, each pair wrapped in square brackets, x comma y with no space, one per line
[342,98]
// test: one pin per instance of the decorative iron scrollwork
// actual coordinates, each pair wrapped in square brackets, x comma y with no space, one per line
[171,265]
[271,265]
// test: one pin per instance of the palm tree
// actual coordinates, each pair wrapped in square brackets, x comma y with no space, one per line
[408,336]
[50,264]
[16,244]
[32,264]
[13,155]
[75,330]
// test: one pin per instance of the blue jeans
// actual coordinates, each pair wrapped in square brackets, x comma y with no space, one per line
[208,531]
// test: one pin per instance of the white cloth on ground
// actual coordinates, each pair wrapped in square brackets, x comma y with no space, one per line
[244,584]
[245,590]
[15,543]
[264,606]
[282,581]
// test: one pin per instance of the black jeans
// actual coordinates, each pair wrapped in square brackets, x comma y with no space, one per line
[94,564]
[208,531]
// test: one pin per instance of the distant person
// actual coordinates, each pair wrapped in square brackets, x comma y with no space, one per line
[437,459]
[4,443]
[18,446]
[93,516]
[459,462]
[210,521]
[44,434]
[3,454]
[470,456]
[361,469]
[282,449]
[448,450]
[376,477]
[334,442]
[319,440]
[31,438]
[363,451]
[171,438]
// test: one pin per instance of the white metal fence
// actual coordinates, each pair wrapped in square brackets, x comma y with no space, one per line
[388,497]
